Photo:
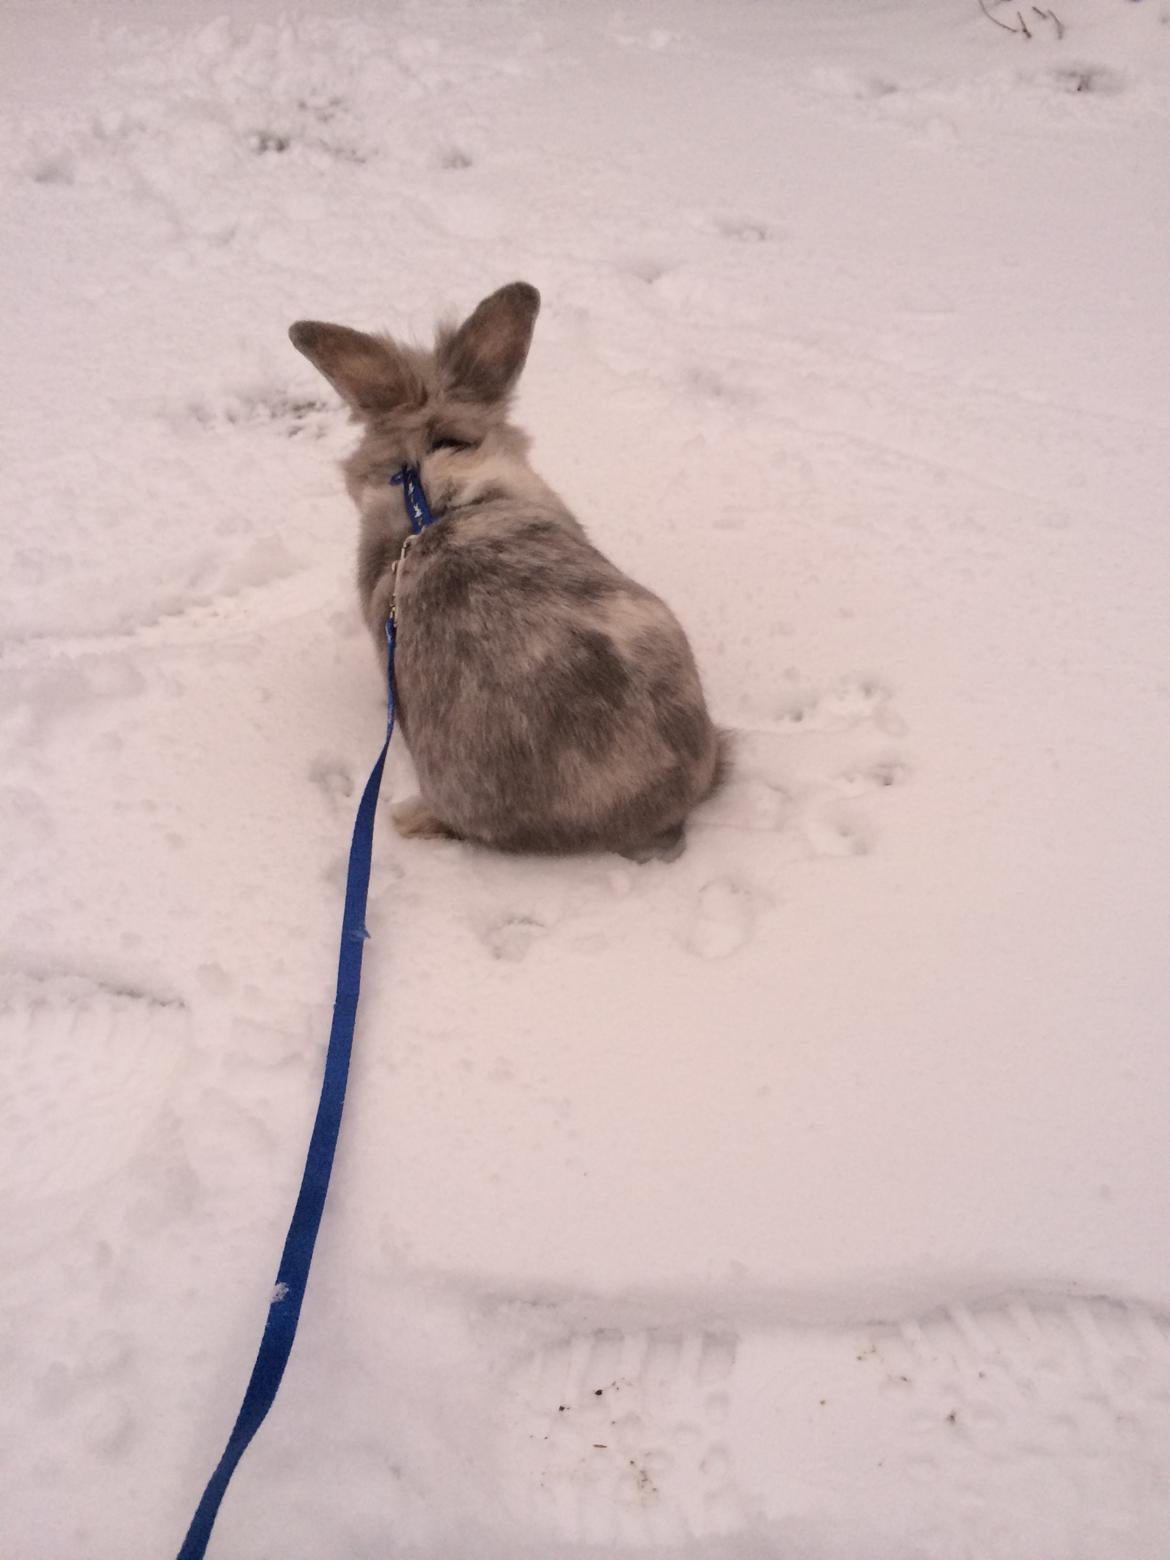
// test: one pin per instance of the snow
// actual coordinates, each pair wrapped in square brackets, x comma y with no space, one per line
[805,1198]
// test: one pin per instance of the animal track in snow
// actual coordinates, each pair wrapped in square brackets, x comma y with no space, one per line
[742,230]
[264,141]
[845,703]
[511,937]
[333,778]
[261,406]
[722,921]
[843,82]
[55,168]
[873,774]
[839,831]
[324,108]
[1090,78]
[806,776]
[711,387]
[645,268]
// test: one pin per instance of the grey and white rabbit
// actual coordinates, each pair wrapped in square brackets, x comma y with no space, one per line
[550,703]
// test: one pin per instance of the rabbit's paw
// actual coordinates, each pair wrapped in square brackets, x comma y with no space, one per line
[667,846]
[414,820]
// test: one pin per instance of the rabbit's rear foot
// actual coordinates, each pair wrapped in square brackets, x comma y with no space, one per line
[668,846]
[414,820]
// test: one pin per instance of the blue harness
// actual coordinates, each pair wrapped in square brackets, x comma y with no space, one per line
[288,1294]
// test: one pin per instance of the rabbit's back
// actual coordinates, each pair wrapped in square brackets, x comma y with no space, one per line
[549,701]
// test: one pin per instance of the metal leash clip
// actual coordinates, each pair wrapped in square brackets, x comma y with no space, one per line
[396,573]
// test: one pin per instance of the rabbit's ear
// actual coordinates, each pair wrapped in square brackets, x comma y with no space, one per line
[483,359]
[368,373]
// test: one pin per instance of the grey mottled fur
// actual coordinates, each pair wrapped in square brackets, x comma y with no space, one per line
[550,703]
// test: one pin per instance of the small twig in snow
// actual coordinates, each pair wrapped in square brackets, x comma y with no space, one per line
[996,19]
[1052,17]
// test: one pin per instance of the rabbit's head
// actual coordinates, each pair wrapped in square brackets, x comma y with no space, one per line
[412,403]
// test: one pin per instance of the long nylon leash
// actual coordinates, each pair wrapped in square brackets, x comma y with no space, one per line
[284,1309]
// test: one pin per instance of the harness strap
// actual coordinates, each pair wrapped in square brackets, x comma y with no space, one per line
[284,1308]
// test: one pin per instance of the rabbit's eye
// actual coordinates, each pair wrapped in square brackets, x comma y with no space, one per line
[452,444]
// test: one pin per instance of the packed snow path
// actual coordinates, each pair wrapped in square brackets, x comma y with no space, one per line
[804,1198]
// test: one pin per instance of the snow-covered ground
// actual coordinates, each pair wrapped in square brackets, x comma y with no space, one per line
[807,1198]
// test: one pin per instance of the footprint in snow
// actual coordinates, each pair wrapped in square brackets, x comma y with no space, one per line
[323,109]
[1090,78]
[110,1430]
[839,831]
[644,268]
[58,168]
[261,142]
[333,779]
[842,82]
[874,775]
[849,701]
[258,406]
[510,939]
[83,1074]
[635,1438]
[804,777]
[264,143]
[621,1436]
[742,230]
[723,920]
[715,389]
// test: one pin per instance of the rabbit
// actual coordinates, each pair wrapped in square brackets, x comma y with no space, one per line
[550,703]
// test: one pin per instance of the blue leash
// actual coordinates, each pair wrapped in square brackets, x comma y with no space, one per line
[284,1309]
